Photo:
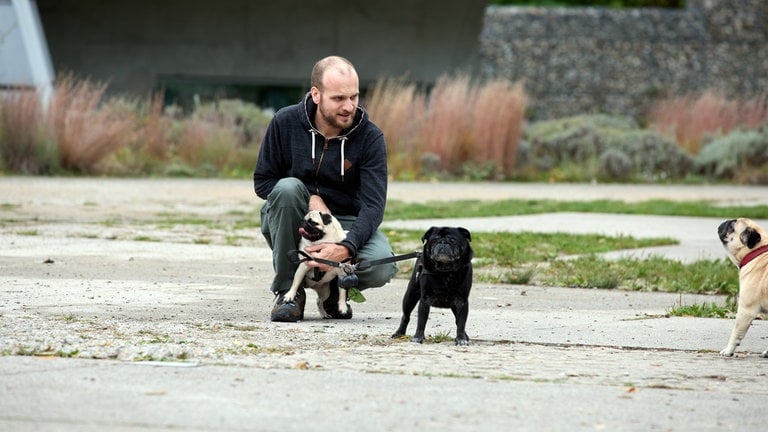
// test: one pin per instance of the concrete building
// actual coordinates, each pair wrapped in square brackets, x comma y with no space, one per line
[256,50]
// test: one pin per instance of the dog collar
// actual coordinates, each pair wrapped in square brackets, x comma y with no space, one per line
[752,255]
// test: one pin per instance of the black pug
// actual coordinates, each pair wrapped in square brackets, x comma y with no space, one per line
[442,277]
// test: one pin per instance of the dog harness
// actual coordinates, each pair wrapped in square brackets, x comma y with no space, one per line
[752,255]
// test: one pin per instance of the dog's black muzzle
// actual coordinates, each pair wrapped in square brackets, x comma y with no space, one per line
[445,256]
[310,231]
[725,229]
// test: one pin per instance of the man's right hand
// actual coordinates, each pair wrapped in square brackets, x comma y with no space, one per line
[317,203]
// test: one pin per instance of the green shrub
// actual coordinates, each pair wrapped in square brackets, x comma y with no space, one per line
[219,138]
[615,165]
[246,121]
[741,156]
[653,156]
[601,146]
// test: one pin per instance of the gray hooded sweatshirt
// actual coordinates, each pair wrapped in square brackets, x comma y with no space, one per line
[348,172]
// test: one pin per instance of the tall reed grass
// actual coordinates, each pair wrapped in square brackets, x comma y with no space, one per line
[460,124]
[86,128]
[24,145]
[691,119]
[83,130]
[399,108]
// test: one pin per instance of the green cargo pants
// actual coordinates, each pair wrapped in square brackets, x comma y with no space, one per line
[281,215]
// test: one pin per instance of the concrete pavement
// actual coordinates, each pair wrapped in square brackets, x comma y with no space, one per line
[101,330]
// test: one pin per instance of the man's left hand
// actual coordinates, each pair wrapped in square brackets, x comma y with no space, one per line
[327,251]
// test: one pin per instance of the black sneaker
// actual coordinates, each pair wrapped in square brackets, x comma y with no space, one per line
[289,311]
[331,304]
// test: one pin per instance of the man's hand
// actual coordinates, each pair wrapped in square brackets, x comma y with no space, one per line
[317,203]
[327,251]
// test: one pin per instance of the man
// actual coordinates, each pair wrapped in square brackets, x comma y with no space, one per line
[324,154]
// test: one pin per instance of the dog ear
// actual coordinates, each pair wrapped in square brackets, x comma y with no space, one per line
[326,218]
[750,237]
[427,234]
[465,233]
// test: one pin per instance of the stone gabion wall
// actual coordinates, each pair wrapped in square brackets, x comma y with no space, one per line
[595,60]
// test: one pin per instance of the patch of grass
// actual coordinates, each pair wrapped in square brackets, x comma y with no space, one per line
[145,238]
[235,240]
[706,310]
[398,210]
[113,222]
[247,222]
[68,354]
[69,318]
[440,337]
[536,259]
[168,220]
[515,276]
[155,338]
[251,348]
[507,249]
[533,258]
[652,274]
[31,233]
[145,357]
[11,222]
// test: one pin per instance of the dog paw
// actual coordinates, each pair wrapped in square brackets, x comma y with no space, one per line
[727,352]
[399,333]
[347,310]
[417,339]
[764,354]
[462,342]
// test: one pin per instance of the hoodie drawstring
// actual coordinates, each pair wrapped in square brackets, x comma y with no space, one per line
[312,131]
[343,140]
[314,142]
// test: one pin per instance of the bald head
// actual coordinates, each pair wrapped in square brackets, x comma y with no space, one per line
[335,90]
[337,64]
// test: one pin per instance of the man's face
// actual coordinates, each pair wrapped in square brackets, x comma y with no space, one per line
[337,101]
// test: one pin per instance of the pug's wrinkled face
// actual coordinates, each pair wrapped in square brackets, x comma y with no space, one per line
[740,237]
[314,226]
[447,248]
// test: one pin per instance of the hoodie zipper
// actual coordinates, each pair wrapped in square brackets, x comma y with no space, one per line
[320,162]
[317,168]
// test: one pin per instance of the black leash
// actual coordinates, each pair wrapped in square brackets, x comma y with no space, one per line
[349,280]
[362,265]
[349,267]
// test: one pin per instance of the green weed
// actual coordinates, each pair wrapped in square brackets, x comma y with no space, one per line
[440,337]
[706,310]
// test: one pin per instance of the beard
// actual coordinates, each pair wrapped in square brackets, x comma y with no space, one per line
[332,119]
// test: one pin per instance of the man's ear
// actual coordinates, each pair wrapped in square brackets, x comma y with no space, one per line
[315,93]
